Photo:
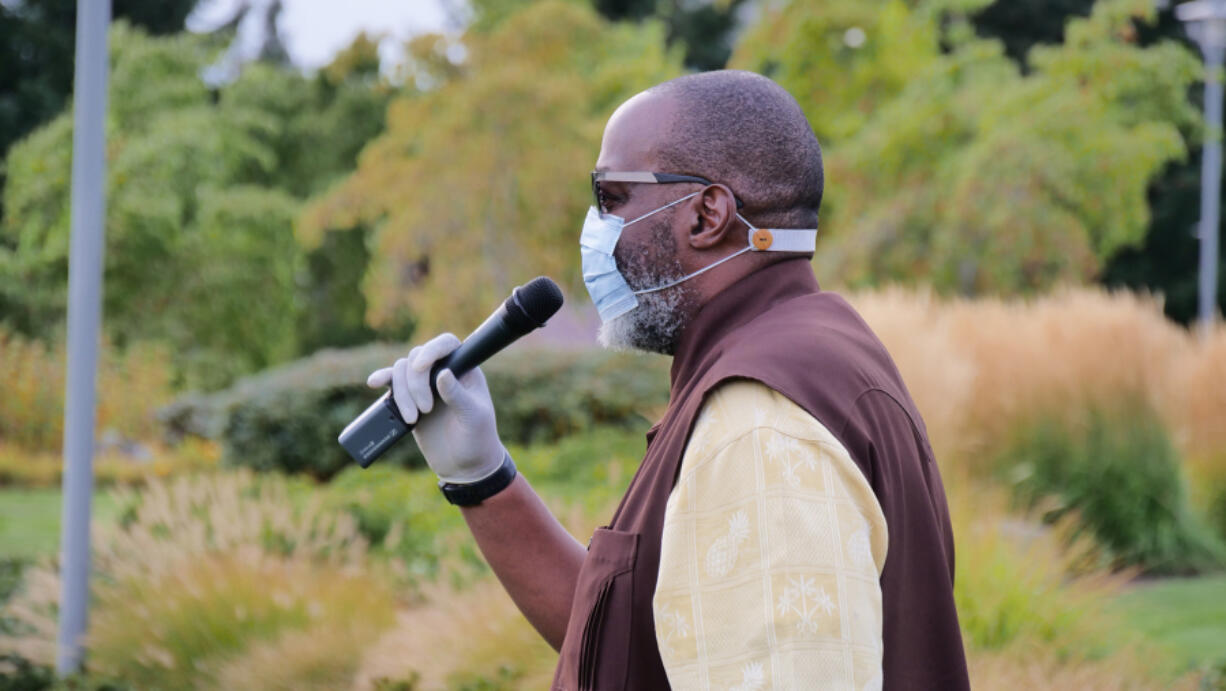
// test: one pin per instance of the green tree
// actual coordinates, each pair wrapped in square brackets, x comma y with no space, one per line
[479,182]
[703,29]
[203,189]
[961,170]
[37,45]
[1168,259]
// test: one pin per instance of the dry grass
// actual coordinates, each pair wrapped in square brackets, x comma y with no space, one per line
[458,636]
[461,635]
[206,570]
[20,467]
[131,385]
[1036,667]
[241,620]
[1197,405]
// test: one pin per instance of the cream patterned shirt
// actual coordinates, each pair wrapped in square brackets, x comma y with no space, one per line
[772,552]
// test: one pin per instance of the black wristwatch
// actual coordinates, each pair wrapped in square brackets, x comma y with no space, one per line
[473,493]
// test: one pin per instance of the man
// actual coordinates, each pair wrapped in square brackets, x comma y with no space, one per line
[787,528]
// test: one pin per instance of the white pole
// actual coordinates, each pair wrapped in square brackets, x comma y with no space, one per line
[84,322]
[1211,185]
[1206,24]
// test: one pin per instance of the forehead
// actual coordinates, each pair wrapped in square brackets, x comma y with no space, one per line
[633,133]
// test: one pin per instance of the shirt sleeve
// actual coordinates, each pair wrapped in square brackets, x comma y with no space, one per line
[772,551]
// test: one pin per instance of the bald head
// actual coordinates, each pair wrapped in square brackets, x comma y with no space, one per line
[746,131]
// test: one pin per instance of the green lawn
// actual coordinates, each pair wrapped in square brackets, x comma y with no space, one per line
[30,521]
[1185,616]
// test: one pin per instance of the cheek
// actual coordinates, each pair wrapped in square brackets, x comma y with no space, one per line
[646,252]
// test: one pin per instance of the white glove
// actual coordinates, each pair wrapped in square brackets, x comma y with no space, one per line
[458,436]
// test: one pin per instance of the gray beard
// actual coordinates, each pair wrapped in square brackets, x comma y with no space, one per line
[655,325]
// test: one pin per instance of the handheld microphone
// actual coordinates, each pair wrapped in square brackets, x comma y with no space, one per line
[529,307]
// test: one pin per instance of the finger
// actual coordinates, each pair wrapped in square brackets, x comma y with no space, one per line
[419,389]
[400,392]
[448,387]
[379,378]
[435,349]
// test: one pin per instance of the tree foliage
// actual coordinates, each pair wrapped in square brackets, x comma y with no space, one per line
[37,42]
[949,165]
[203,188]
[479,183]
[703,29]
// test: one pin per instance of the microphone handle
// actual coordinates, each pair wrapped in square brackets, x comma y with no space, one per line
[483,342]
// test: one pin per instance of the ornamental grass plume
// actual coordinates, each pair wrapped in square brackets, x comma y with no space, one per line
[1059,355]
[979,367]
[202,571]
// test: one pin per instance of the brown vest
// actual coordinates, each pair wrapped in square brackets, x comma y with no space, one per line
[775,326]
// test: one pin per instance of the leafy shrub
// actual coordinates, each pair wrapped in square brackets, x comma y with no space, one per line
[403,514]
[288,418]
[19,674]
[1012,585]
[1115,469]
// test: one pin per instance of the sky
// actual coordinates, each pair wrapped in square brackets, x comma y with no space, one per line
[314,30]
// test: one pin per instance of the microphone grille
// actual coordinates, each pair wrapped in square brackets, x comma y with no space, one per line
[540,298]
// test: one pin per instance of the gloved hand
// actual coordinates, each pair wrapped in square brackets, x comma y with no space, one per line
[458,435]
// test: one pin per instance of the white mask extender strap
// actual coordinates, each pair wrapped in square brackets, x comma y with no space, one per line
[781,239]
[760,240]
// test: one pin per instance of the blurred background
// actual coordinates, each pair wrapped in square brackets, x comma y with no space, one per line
[298,190]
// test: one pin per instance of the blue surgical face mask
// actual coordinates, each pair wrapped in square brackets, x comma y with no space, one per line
[611,294]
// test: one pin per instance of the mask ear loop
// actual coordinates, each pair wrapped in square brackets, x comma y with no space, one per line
[696,273]
[734,255]
[661,208]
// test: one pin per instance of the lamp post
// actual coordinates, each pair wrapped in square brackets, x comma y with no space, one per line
[1206,24]
[84,321]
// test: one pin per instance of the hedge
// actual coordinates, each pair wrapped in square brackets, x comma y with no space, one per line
[288,418]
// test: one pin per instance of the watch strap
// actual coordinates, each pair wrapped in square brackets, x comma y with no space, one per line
[473,493]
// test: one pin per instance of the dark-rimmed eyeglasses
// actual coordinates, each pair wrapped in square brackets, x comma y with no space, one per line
[640,176]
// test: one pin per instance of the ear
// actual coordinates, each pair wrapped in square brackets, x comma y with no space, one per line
[714,219]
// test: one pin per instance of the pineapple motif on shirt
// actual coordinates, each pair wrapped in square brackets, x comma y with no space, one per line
[722,554]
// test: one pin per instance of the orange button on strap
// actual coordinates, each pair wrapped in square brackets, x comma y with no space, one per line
[762,239]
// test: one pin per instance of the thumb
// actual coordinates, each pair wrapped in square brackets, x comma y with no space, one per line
[448,388]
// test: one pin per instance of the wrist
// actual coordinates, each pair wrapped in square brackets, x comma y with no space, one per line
[471,493]
[472,472]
